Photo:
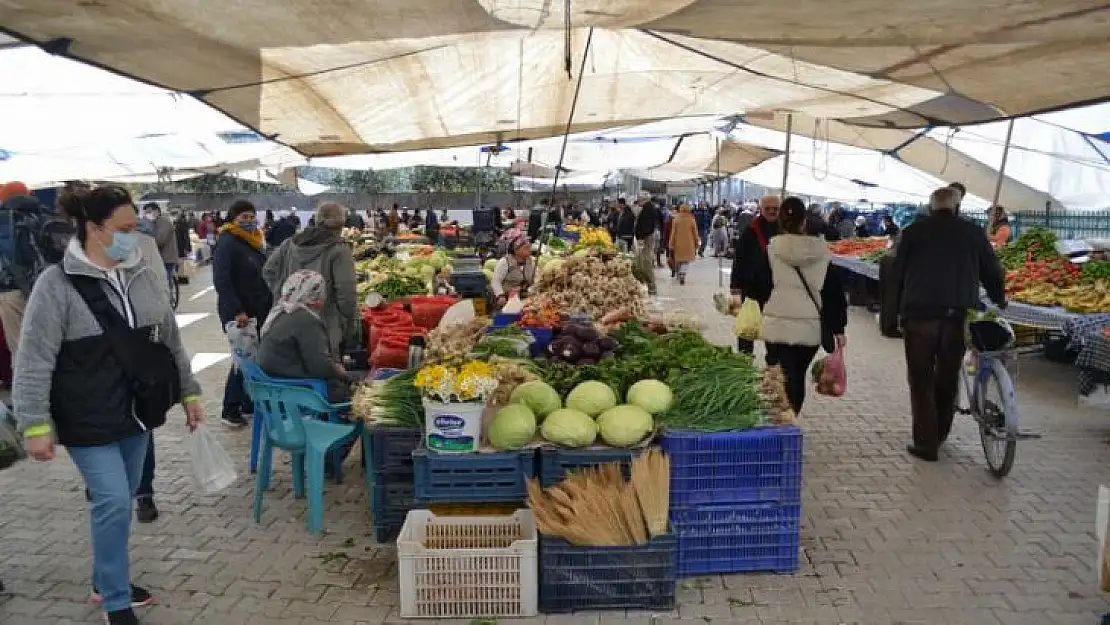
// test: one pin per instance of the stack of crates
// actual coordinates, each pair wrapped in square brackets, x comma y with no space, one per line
[389,477]
[736,499]
[387,456]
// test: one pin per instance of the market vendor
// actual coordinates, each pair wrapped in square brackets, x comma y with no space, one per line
[514,271]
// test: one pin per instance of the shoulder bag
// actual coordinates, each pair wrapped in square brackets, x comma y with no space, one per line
[828,341]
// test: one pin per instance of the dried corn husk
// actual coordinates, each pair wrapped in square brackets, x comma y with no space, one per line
[595,506]
[651,478]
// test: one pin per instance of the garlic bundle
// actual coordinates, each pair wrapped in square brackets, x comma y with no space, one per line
[591,285]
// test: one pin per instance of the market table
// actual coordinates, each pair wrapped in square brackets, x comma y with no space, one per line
[1093,363]
[1040,317]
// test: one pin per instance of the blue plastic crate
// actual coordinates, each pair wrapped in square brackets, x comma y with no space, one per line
[390,448]
[637,577]
[391,500]
[761,464]
[501,320]
[556,461]
[543,338]
[478,477]
[737,538]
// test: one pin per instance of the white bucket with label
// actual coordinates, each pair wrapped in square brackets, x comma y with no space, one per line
[452,428]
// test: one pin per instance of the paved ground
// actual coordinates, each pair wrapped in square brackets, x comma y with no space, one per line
[886,540]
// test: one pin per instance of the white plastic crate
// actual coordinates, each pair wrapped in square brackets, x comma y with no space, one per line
[468,566]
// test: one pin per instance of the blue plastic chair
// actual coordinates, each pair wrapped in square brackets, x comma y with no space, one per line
[253,373]
[290,414]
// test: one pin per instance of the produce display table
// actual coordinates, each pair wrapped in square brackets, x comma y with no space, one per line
[855,265]
[1041,317]
[1093,363]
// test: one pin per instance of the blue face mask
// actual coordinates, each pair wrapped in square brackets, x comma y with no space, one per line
[124,244]
[250,225]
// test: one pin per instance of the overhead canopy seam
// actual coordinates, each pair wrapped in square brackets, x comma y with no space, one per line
[924,118]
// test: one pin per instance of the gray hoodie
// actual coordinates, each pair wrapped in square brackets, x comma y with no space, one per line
[322,251]
[56,313]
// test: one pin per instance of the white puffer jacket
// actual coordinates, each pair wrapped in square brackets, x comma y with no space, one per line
[790,316]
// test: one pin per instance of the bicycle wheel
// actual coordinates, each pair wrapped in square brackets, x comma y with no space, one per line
[998,419]
[175,293]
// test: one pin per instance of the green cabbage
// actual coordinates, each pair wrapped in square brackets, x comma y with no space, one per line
[651,395]
[540,398]
[592,398]
[624,426]
[513,427]
[570,428]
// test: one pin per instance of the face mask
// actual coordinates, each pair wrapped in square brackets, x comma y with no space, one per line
[250,225]
[124,244]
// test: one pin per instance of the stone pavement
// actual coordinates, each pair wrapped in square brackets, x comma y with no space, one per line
[885,539]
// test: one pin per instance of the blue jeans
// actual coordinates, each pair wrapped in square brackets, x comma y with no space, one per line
[112,473]
[236,400]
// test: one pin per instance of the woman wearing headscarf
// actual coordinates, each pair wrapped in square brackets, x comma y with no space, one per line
[241,294]
[295,341]
[684,240]
[514,271]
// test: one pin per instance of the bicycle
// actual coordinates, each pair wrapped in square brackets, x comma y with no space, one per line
[996,413]
[175,288]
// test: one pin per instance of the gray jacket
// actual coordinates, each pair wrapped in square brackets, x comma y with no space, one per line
[322,251]
[296,346]
[55,313]
[166,236]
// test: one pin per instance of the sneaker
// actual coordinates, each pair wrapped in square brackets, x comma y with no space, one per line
[232,420]
[145,510]
[121,617]
[140,597]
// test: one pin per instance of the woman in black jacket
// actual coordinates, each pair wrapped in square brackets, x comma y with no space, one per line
[241,293]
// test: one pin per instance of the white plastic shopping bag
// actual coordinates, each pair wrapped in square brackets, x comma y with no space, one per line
[1102,519]
[243,341]
[213,469]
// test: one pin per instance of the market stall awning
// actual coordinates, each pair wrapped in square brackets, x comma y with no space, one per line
[331,78]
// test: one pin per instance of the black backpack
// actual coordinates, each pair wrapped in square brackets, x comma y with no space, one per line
[147,362]
[21,260]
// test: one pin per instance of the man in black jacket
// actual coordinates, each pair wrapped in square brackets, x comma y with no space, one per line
[751,269]
[940,263]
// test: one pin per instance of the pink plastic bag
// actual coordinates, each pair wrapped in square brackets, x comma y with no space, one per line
[832,379]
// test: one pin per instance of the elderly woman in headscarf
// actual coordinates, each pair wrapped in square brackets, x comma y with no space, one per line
[294,342]
[514,271]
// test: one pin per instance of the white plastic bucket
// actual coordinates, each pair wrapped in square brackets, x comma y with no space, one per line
[454,428]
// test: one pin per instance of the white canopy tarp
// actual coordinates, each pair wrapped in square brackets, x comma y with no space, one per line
[347,77]
[594,181]
[893,181]
[1069,165]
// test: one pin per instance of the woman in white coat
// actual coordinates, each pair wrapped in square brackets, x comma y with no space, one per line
[807,308]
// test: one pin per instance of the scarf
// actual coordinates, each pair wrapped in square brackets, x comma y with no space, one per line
[254,239]
[301,288]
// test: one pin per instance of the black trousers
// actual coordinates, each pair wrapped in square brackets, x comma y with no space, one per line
[934,354]
[794,360]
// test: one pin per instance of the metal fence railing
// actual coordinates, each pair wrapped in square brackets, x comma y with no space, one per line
[1066,224]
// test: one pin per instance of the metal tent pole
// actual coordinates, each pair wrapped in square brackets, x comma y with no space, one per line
[786,156]
[1002,166]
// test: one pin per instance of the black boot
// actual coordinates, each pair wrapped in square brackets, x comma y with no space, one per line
[145,510]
